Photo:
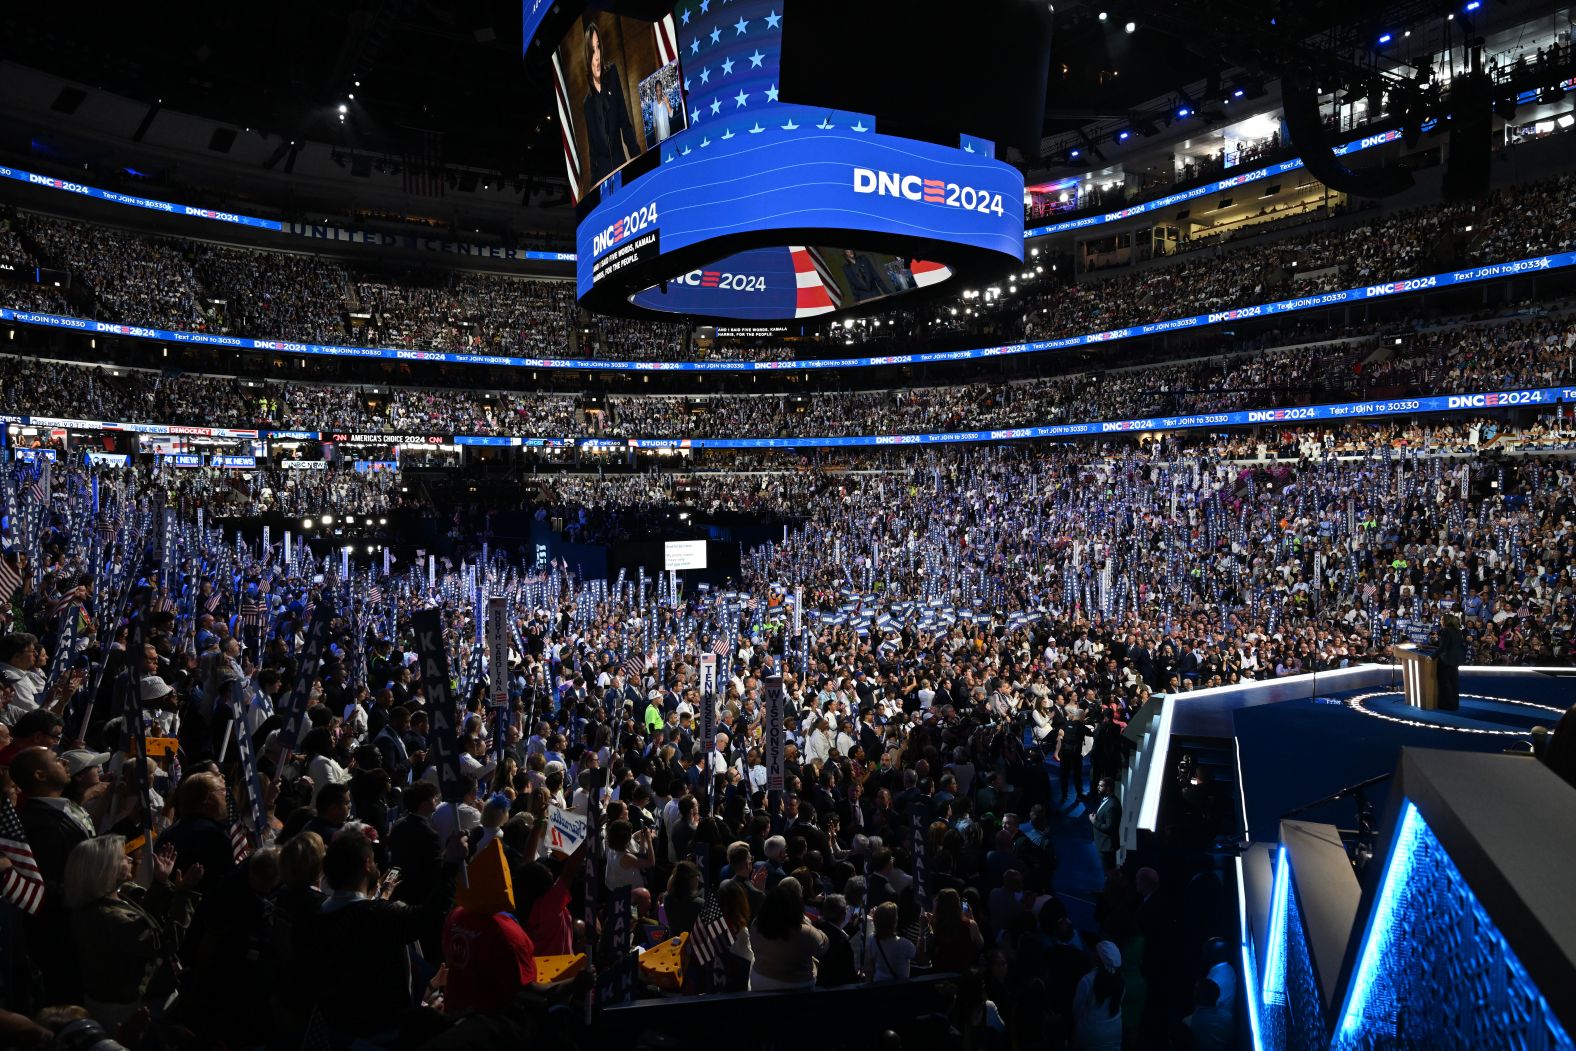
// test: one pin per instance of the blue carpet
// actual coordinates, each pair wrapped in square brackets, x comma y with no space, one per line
[1299,751]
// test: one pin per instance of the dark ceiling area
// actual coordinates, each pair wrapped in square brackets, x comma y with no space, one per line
[418,67]
[414,67]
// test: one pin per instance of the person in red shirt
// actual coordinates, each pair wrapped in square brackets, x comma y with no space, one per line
[489,956]
[544,904]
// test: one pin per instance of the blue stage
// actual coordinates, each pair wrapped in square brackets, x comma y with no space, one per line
[1296,751]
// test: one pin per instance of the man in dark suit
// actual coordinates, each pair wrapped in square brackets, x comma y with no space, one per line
[1452,653]
[837,966]
[609,135]
[54,825]
[1107,821]
[739,872]
[853,813]
[864,280]
[414,846]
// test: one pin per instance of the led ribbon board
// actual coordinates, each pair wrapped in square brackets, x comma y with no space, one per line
[761,209]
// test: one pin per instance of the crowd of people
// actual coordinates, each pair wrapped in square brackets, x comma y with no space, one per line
[168,282]
[256,799]
[980,627]
[1515,351]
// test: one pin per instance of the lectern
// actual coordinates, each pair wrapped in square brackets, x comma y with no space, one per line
[1419,681]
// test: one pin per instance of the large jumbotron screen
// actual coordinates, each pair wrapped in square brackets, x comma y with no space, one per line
[618,92]
[744,205]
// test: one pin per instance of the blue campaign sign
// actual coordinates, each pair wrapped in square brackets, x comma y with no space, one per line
[1536,264]
[757,285]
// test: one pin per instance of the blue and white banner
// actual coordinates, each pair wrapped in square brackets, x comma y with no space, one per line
[1492,271]
[67,186]
[1528,397]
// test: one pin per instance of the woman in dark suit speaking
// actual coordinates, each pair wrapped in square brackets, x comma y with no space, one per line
[1452,653]
[609,135]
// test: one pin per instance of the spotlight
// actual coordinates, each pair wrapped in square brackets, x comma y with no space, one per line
[1131,27]
[306,523]
[1385,38]
[328,519]
[1474,5]
[1075,153]
[344,108]
[1104,16]
[1122,136]
[1184,112]
[1238,93]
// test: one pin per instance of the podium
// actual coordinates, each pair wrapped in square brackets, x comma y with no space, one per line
[1419,676]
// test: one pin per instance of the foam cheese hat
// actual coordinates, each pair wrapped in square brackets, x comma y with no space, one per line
[489,888]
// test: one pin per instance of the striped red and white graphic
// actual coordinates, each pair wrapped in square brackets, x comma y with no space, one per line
[823,266]
[935,191]
[928,273]
[566,128]
[812,296]
[667,49]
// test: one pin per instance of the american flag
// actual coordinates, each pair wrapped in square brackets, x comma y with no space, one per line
[240,842]
[634,667]
[711,936]
[10,578]
[720,646]
[254,611]
[375,595]
[22,885]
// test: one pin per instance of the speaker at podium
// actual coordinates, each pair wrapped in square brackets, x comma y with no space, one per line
[1419,675]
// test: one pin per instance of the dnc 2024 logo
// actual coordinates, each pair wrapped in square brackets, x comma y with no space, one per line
[926,191]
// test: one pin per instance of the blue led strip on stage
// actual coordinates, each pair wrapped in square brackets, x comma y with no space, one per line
[1434,970]
[1356,410]
[1367,142]
[1536,264]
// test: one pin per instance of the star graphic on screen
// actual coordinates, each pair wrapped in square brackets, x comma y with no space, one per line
[755,59]
[705,75]
[771,93]
[715,106]
[684,18]
[742,26]
[727,66]
[716,35]
[739,99]
[694,46]
[772,19]
[686,85]
[694,116]
[705,5]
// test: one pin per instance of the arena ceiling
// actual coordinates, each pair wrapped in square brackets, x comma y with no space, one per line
[421,66]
